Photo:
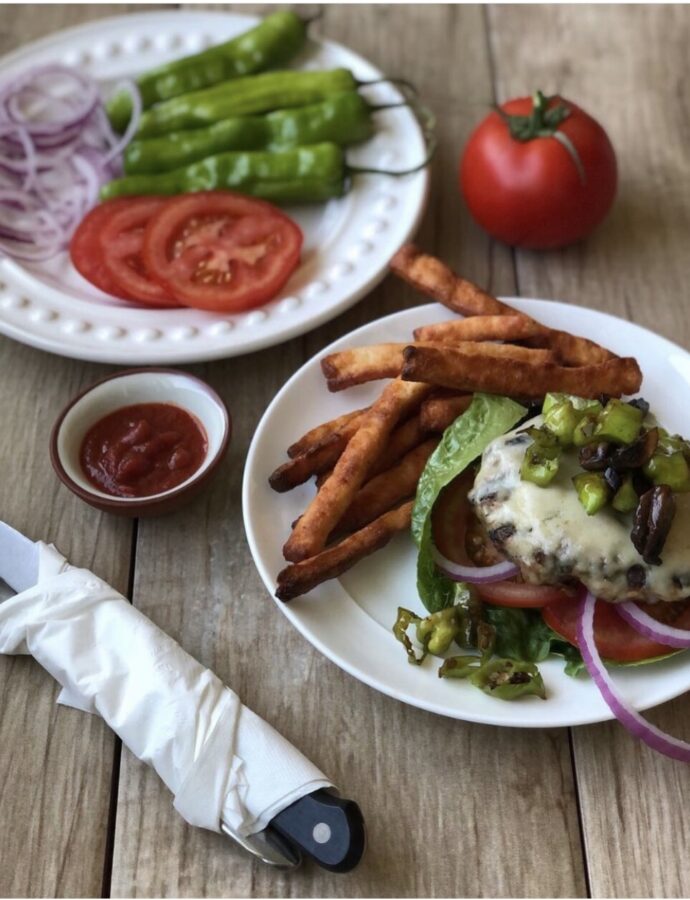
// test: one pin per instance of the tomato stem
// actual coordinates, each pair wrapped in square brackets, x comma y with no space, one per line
[541,122]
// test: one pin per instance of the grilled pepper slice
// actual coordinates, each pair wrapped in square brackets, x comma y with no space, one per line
[625,499]
[669,468]
[541,460]
[273,42]
[245,97]
[619,423]
[344,119]
[592,491]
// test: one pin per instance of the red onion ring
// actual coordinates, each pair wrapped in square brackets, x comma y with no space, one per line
[649,627]
[56,150]
[628,717]
[475,574]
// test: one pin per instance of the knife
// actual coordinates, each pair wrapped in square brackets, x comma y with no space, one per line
[323,826]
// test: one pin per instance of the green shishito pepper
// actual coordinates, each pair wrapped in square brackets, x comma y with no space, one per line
[344,119]
[245,97]
[273,42]
[302,175]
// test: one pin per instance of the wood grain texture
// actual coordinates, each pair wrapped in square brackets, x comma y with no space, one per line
[424,782]
[453,809]
[56,763]
[629,67]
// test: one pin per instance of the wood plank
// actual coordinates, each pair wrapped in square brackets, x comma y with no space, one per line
[624,65]
[501,802]
[56,764]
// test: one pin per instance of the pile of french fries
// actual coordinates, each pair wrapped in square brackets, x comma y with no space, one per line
[367,462]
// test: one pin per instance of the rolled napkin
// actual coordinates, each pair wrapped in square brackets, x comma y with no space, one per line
[221,761]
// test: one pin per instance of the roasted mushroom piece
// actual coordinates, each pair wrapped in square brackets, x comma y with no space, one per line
[595,457]
[635,455]
[652,523]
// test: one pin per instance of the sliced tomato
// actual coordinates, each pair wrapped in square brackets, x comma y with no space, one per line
[221,251]
[523,595]
[85,248]
[121,241]
[615,639]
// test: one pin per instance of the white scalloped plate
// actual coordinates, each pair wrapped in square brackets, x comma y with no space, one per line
[349,620]
[348,242]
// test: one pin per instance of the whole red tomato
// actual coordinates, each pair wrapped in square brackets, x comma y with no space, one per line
[539,173]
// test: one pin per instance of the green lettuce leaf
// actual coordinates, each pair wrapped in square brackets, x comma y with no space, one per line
[522,634]
[487,418]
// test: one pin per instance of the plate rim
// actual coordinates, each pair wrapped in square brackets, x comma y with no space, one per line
[93,350]
[419,702]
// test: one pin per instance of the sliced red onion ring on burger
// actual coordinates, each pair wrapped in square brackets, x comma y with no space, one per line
[649,627]
[628,717]
[476,574]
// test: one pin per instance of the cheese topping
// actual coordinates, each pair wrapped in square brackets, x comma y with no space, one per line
[549,535]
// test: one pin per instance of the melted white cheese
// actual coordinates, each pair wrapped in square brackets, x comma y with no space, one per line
[554,538]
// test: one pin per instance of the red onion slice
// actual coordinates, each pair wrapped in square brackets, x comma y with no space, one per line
[628,717]
[649,627]
[476,574]
[56,150]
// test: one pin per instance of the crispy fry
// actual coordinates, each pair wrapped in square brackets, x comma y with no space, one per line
[300,578]
[437,413]
[482,328]
[317,434]
[328,506]
[403,439]
[435,279]
[317,459]
[362,364]
[455,368]
[386,490]
[321,479]
[571,350]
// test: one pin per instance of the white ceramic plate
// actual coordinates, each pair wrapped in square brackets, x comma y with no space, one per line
[350,620]
[348,242]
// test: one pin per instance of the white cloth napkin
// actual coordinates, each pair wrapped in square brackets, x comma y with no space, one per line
[220,760]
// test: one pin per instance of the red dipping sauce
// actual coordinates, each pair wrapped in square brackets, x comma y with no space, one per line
[144,449]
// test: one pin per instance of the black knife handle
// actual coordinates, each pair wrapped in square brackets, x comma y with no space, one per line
[325,827]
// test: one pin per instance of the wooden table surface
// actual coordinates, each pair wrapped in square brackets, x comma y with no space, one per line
[452,808]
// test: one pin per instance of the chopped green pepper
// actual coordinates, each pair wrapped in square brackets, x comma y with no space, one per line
[619,423]
[459,666]
[343,119]
[541,460]
[671,443]
[245,97]
[507,679]
[592,491]
[437,631]
[625,499]
[561,419]
[405,619]
[669,468]
[273,42]
[582,404]
[583,432]
[303,175]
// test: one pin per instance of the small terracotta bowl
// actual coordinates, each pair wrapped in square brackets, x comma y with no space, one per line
[124,389]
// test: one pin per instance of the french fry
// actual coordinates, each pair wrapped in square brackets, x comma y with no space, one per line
[301,577]
[317,434]
[572,350]
[482,328]
[403,439]
[359,365]
[319,458]
[327,508]
[453,367]
[386,490]
[435,279]
[437,413]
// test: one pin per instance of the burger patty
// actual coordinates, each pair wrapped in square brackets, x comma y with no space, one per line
[548,534]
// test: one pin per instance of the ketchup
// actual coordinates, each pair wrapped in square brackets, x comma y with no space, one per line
[144,449]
